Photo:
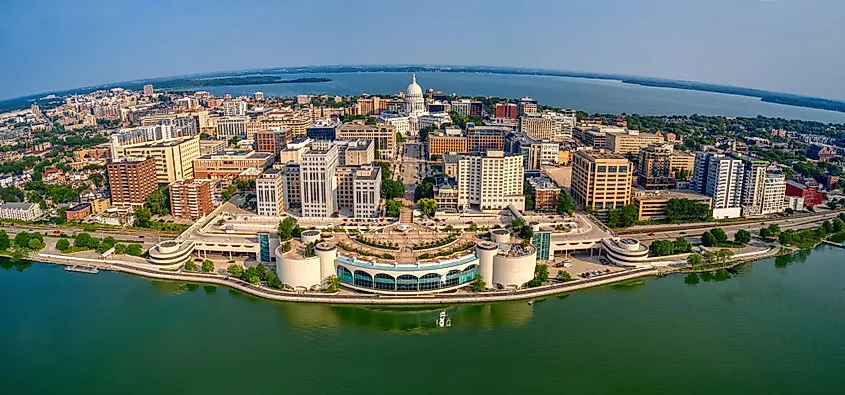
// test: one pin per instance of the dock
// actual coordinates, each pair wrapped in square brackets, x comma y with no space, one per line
[82,269]
[833,243]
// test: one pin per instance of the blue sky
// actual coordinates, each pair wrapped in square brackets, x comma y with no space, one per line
[784,45]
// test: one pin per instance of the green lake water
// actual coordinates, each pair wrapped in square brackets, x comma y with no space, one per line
[777,327]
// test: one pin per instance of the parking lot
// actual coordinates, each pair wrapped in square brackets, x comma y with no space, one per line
[582,263]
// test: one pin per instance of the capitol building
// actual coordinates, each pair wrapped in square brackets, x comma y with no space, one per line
[414,115]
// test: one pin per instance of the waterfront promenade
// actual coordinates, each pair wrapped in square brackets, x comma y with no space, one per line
[157,272]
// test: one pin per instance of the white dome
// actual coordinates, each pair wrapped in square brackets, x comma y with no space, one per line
[414,89]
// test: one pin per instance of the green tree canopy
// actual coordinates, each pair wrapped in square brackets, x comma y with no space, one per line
[392,208]
[662,248]
[742,236]
[565,204]
[159,202]
[428,206]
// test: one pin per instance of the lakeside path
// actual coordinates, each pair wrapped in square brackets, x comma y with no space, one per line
[156,272]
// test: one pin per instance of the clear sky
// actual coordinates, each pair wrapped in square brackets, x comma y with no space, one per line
[795,46]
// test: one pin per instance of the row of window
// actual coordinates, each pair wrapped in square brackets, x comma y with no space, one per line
[406,282]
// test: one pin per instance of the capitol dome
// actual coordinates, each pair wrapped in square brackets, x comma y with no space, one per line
[414,88]
[414,102]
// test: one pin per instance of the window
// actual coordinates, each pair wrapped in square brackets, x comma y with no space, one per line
[602,169]
[611,169]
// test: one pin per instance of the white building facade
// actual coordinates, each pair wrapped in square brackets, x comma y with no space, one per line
[317,179]
[269,193]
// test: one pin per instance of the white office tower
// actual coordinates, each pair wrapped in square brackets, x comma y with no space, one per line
[234,108]
[317,180]
[366,184]
[720,178]
[773,194]
[269,193]
[490,180]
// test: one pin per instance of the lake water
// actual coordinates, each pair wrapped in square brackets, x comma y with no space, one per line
[777,327]
[587,95]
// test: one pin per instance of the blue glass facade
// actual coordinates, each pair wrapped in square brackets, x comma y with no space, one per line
[407,282]
[264,247]
[542,242]
[320,133]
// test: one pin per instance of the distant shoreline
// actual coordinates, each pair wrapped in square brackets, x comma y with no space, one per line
[257,77]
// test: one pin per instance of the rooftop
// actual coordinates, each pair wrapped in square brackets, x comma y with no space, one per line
[642,194]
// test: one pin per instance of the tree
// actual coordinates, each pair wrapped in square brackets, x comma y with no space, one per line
[742,236]
[261,271]
[832,205]
[391,189]
[827,226]
[564,276]
[541,272]
[98,179]
[694,260]
[62,244]
[707,239]
[529,202]
[82,240]
[565,204]
[235,270]
[838,225]
[478,284]
[332,283]
[288,229]
[133,249]
[686,210]
[719,235]
[190,266]
[682,245]
[158,202]
[428,206]
[622,218]
[424,190]
[5,243]
[35,244]
[789,211]
[392,208]
[662,248]
[207,266]
[142,217]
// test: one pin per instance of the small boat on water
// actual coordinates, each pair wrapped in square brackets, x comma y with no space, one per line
[531,302]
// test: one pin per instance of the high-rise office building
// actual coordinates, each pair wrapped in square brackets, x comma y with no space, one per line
[538,127]
[490,180]
[174,158]
[601,180]
[629,141]
[271,141]
[132,180]
[317,179]
[232,126]
[654,167]
[507,110]
[230,163]
[323,129]
[527,105]
[772,199]
[720,178]
[366,184]
[191,198]
[269,191]
[258,96]
[234,108]
[383,135]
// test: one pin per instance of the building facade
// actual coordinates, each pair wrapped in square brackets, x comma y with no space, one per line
[317,179]
[601,180]
[191,198]
[230,163]
[269,189]
[132,180]
[490,180]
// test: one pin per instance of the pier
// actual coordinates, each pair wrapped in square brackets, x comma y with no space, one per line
[82,269]
[833,243]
